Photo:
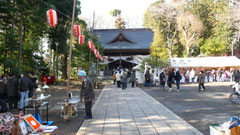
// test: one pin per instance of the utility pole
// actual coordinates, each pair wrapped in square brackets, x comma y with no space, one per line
[69,64]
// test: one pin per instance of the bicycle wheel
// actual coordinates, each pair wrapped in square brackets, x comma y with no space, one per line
[234,98]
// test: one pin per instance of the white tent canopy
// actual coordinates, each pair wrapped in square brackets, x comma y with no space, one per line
[228,61]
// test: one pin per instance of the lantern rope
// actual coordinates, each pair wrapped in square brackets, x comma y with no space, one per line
[55,9]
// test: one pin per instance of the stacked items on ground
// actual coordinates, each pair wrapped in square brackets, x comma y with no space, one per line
[6,123]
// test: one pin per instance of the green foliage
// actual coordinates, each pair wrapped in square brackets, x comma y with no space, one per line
[119,22]
[215,23]
[213,46]
[35,31]
[154,62]
[115,12]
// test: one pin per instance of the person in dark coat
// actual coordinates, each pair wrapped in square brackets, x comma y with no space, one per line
[87,94]
[124,80]
[237,76]
[170,79]
[177,77]
[12,91]
[162,79]
[201,79]
[133,78]
[147,78]
[3,90]
[25,84]
[3,106]
[34,82]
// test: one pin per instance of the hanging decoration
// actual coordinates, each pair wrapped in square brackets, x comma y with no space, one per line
[76,30]
[81,39]
[52,17]
[90,44]
[95,52]
[93,48]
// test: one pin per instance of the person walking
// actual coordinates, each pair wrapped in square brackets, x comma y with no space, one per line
[147,78]
[118,79]
[114,76]
[201,79]
[25,84]
[162,79]
[133,78]
[124,80]
[192,75]
[3,91]
[177,77]
[170,79]
[12,91]
[87,94]
[237,76]
[34,82]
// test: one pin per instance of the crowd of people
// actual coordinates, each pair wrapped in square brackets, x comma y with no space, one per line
[123,76]
[14,90]
[178,76]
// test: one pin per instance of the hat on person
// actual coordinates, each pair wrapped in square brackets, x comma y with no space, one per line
[81,73]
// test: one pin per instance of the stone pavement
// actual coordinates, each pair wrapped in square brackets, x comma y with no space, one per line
[133,112]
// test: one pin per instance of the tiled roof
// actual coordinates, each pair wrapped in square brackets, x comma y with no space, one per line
[141,38]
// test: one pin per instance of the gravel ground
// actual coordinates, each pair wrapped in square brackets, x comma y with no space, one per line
[199,109]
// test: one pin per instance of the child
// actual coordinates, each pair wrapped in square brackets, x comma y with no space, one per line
[136,82]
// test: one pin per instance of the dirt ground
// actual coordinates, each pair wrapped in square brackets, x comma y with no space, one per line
[199,109]
[58,94]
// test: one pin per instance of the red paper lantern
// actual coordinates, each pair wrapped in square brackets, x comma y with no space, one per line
[95,52]
[90,44]
[52,17]
[93,47]
[76,30]
[81,39]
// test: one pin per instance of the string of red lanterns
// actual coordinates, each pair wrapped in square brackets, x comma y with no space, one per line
[53,21]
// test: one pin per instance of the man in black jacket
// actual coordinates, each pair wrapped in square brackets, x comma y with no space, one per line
[178,77]
[12,86]
[87,94]
[201,79]
[34,82]
[25,84]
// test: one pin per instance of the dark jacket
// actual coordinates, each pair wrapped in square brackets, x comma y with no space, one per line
[162,78]
[12,86]
[3,106]
[34,84]
[25,84]
[170,76]
[87,90]
[124,78]
[237,76]
[147,75]
[133,77]
[177,77]
[3,86]
[201,78]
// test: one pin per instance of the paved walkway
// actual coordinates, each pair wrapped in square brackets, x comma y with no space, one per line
[133,112]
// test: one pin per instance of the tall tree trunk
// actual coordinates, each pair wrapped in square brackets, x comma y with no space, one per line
[20,38]
[64,66]
[13,28]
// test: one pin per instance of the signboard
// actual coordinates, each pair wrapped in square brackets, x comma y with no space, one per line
[32,122]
